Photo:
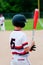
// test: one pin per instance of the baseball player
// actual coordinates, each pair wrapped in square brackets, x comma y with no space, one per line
[2,25]
[18,42]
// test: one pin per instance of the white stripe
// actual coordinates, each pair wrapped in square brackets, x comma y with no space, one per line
[36,9]
[25,46]
[19,51]
[41,23]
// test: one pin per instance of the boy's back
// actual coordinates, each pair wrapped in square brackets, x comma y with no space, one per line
[19,40]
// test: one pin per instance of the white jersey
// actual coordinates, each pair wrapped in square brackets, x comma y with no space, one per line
[1,20]
[18,41]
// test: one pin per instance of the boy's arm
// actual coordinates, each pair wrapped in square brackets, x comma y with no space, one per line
[27,49]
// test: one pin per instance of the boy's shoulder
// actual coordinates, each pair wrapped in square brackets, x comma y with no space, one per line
[18,33]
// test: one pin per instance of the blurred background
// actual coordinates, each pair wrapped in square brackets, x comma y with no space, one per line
[11,7]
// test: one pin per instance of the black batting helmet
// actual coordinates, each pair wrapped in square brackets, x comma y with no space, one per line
[19,20]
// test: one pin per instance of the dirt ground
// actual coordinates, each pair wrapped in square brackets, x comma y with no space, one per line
[36,57]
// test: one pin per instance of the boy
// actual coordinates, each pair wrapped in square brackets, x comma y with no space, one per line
[18,42]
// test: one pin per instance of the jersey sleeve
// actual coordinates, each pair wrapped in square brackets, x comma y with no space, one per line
[25,41]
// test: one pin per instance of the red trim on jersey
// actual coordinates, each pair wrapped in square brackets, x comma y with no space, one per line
[18,47]
[21,53]
[21,59]
[26,43]
[21,47]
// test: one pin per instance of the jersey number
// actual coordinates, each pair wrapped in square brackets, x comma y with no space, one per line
[12,43]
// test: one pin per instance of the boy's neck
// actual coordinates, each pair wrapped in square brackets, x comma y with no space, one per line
[18,29]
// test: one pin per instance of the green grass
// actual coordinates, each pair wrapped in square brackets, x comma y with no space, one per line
[29,25]
[8,24]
